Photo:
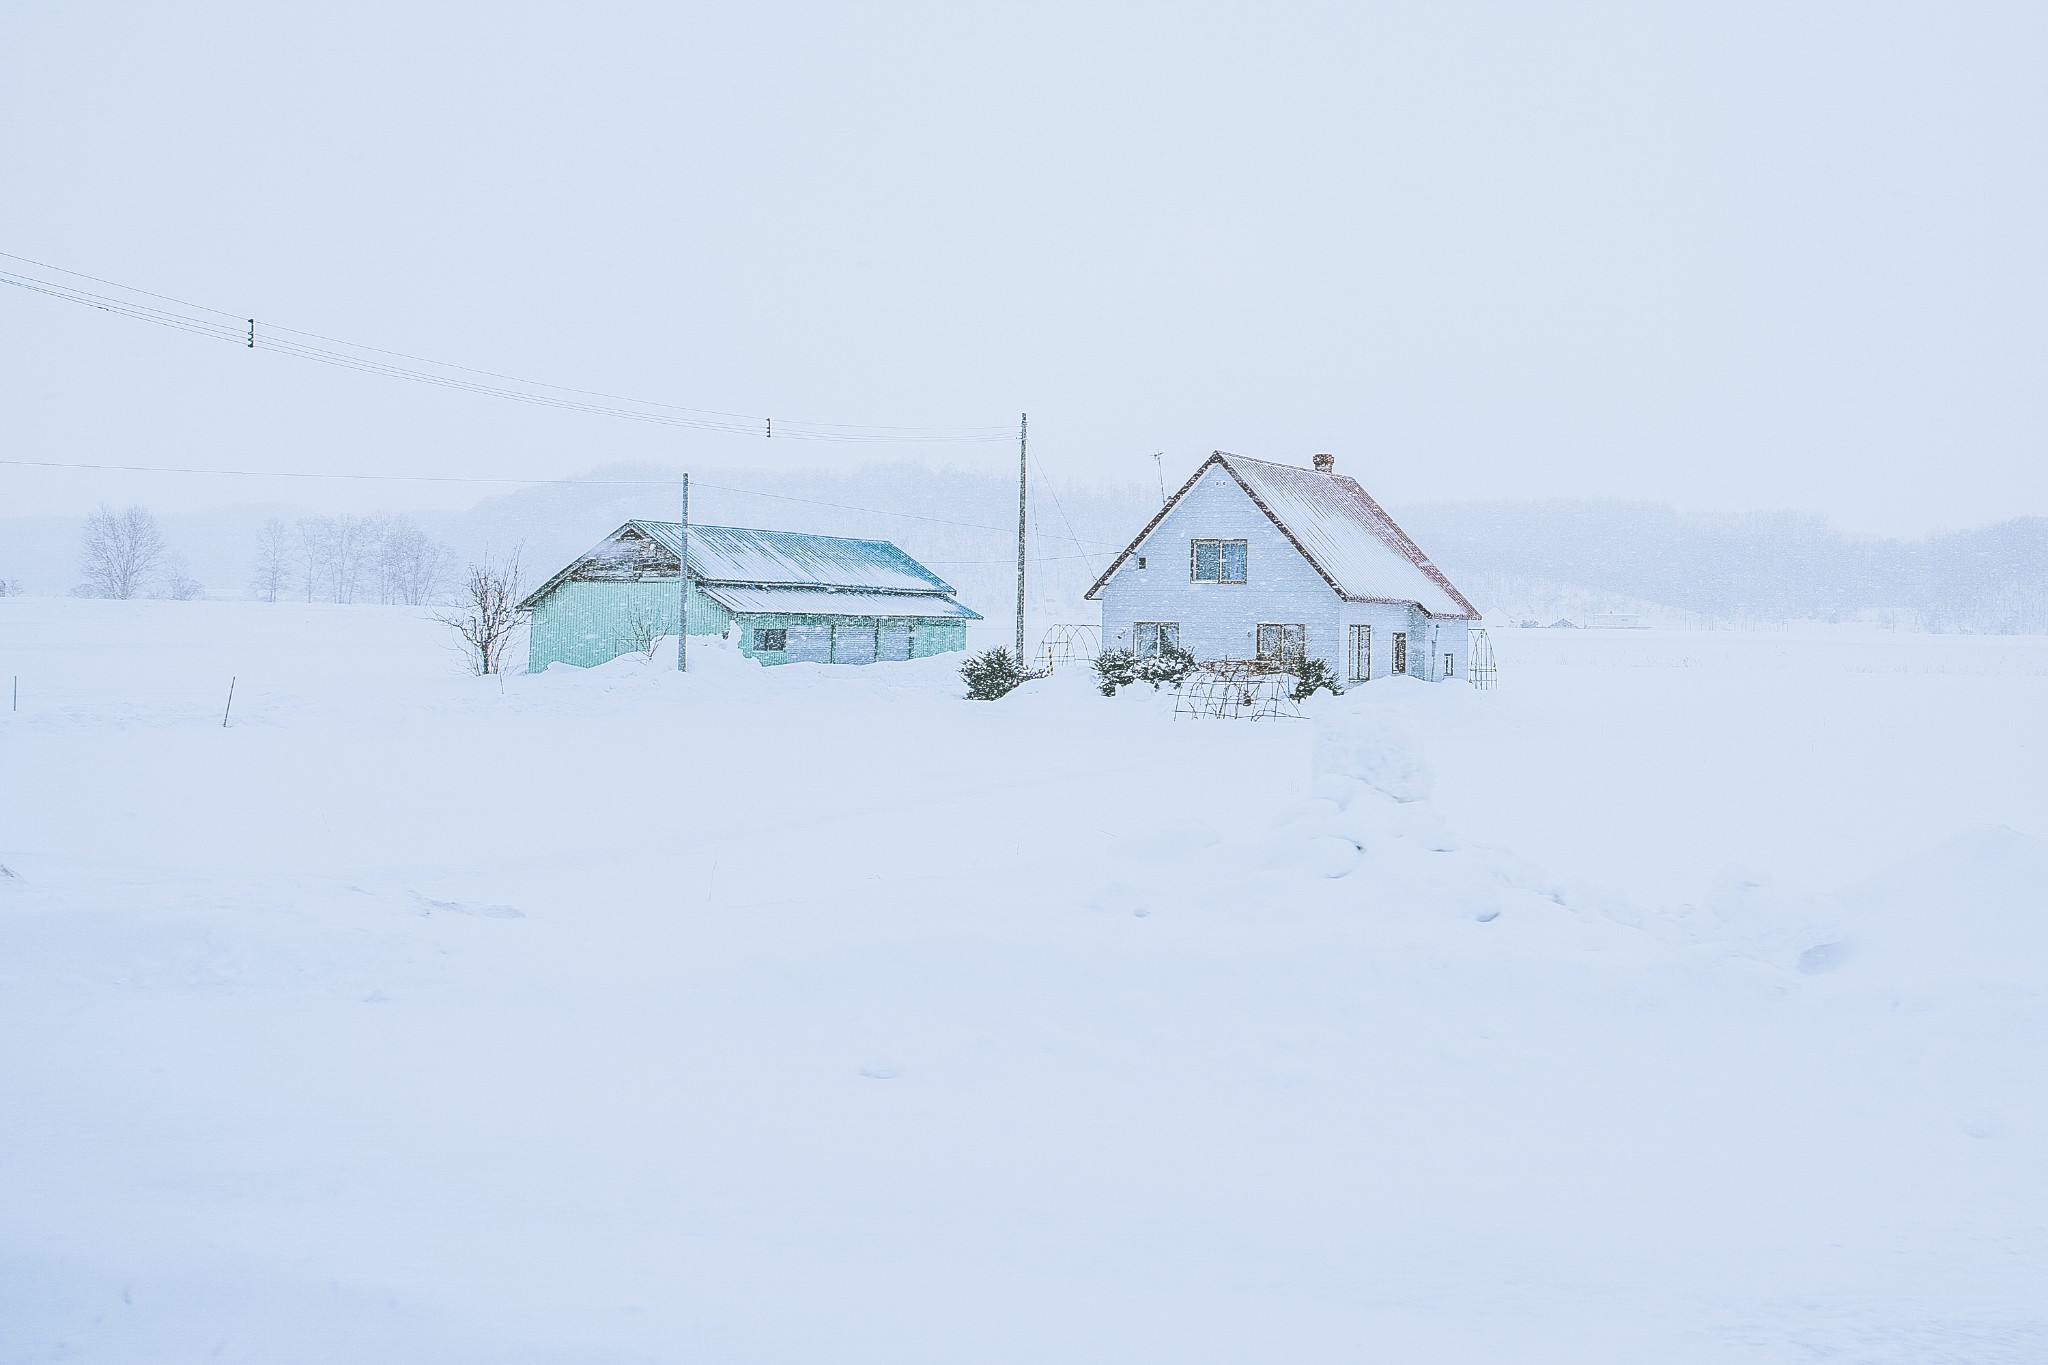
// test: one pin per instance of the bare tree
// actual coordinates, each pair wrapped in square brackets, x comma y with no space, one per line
[486,617]
[411,569]
[122,551]
[316,552]
[354,545]
[273,571]
[10,587]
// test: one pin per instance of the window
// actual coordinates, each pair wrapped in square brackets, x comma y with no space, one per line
[1361,654]
[1141,561]
[1450,665]
[1156,637]
[1283,644]
[1400,652]
[771,641]
[1217,561]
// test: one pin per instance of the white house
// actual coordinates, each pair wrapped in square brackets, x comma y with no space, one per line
[1252,559]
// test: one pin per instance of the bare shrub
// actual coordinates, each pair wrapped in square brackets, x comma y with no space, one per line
[486,618]
[644,627]
[176,581]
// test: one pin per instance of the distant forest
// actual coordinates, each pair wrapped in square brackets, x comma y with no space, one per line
[1516,560]
[1538,558]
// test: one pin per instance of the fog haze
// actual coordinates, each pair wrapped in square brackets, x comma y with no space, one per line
[1727,258]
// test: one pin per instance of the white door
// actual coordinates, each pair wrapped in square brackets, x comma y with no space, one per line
[853,642]
[896,639]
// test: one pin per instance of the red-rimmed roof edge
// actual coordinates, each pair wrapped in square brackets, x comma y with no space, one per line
[1369,516]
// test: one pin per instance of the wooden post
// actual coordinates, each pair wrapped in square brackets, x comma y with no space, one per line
[683,589]
[230,706]
[1023,430]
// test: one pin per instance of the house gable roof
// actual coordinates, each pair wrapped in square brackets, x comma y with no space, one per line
[745,557]
[1344,535]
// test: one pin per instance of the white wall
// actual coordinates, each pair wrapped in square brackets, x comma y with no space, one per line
[1221,620]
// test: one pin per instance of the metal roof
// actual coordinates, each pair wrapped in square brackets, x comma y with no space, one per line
[824,602]
[738,554]
[1346,536]
[743,557]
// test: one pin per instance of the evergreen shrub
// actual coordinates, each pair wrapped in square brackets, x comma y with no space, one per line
[992,675]
[1312,676]
[1116,668]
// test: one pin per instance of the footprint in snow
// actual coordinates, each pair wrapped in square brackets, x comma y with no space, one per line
[428,906]
[881,1071]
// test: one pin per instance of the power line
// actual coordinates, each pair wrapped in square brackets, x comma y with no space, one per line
[245,331]
[488,479]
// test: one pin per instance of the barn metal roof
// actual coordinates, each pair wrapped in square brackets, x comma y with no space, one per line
[1346,536]
[738,554]
[743,557]
[823,602]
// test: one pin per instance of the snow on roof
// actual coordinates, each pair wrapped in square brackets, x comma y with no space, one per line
[763,559]
[1337,526]
[737,554]
[825,602]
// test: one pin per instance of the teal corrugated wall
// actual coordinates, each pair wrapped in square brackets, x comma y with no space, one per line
[587,624]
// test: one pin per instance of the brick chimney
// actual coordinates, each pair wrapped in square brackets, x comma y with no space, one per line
[1326,464]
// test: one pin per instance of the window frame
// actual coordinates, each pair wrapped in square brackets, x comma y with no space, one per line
[1160,644]
[761,634]
[1244,561]
[1359,660]
[1283,657]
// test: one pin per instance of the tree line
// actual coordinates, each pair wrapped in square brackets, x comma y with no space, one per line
[389,560]
[1740,569]
[383,559]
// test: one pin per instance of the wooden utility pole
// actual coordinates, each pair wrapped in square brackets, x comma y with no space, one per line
[1023,431]
[683,591]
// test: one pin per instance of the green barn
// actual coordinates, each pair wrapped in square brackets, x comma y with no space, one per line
[793,598]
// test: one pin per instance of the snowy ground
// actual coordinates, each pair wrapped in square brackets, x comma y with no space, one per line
[1682,1001]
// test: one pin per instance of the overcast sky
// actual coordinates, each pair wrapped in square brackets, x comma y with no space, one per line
[1724,256]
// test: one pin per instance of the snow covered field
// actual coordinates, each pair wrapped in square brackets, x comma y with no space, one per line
[1684,1000]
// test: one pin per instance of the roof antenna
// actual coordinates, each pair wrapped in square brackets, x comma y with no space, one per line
[1161,470]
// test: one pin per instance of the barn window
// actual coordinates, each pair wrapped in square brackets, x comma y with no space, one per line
[1141,561]
[1450,665]
[771,641]
[1156,637]
[1400,652]
[1283,644]
[1217,561]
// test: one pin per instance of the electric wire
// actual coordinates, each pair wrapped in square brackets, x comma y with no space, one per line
[247,332]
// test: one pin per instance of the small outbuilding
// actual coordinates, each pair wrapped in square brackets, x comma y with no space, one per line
[1256,560]
[792,598]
